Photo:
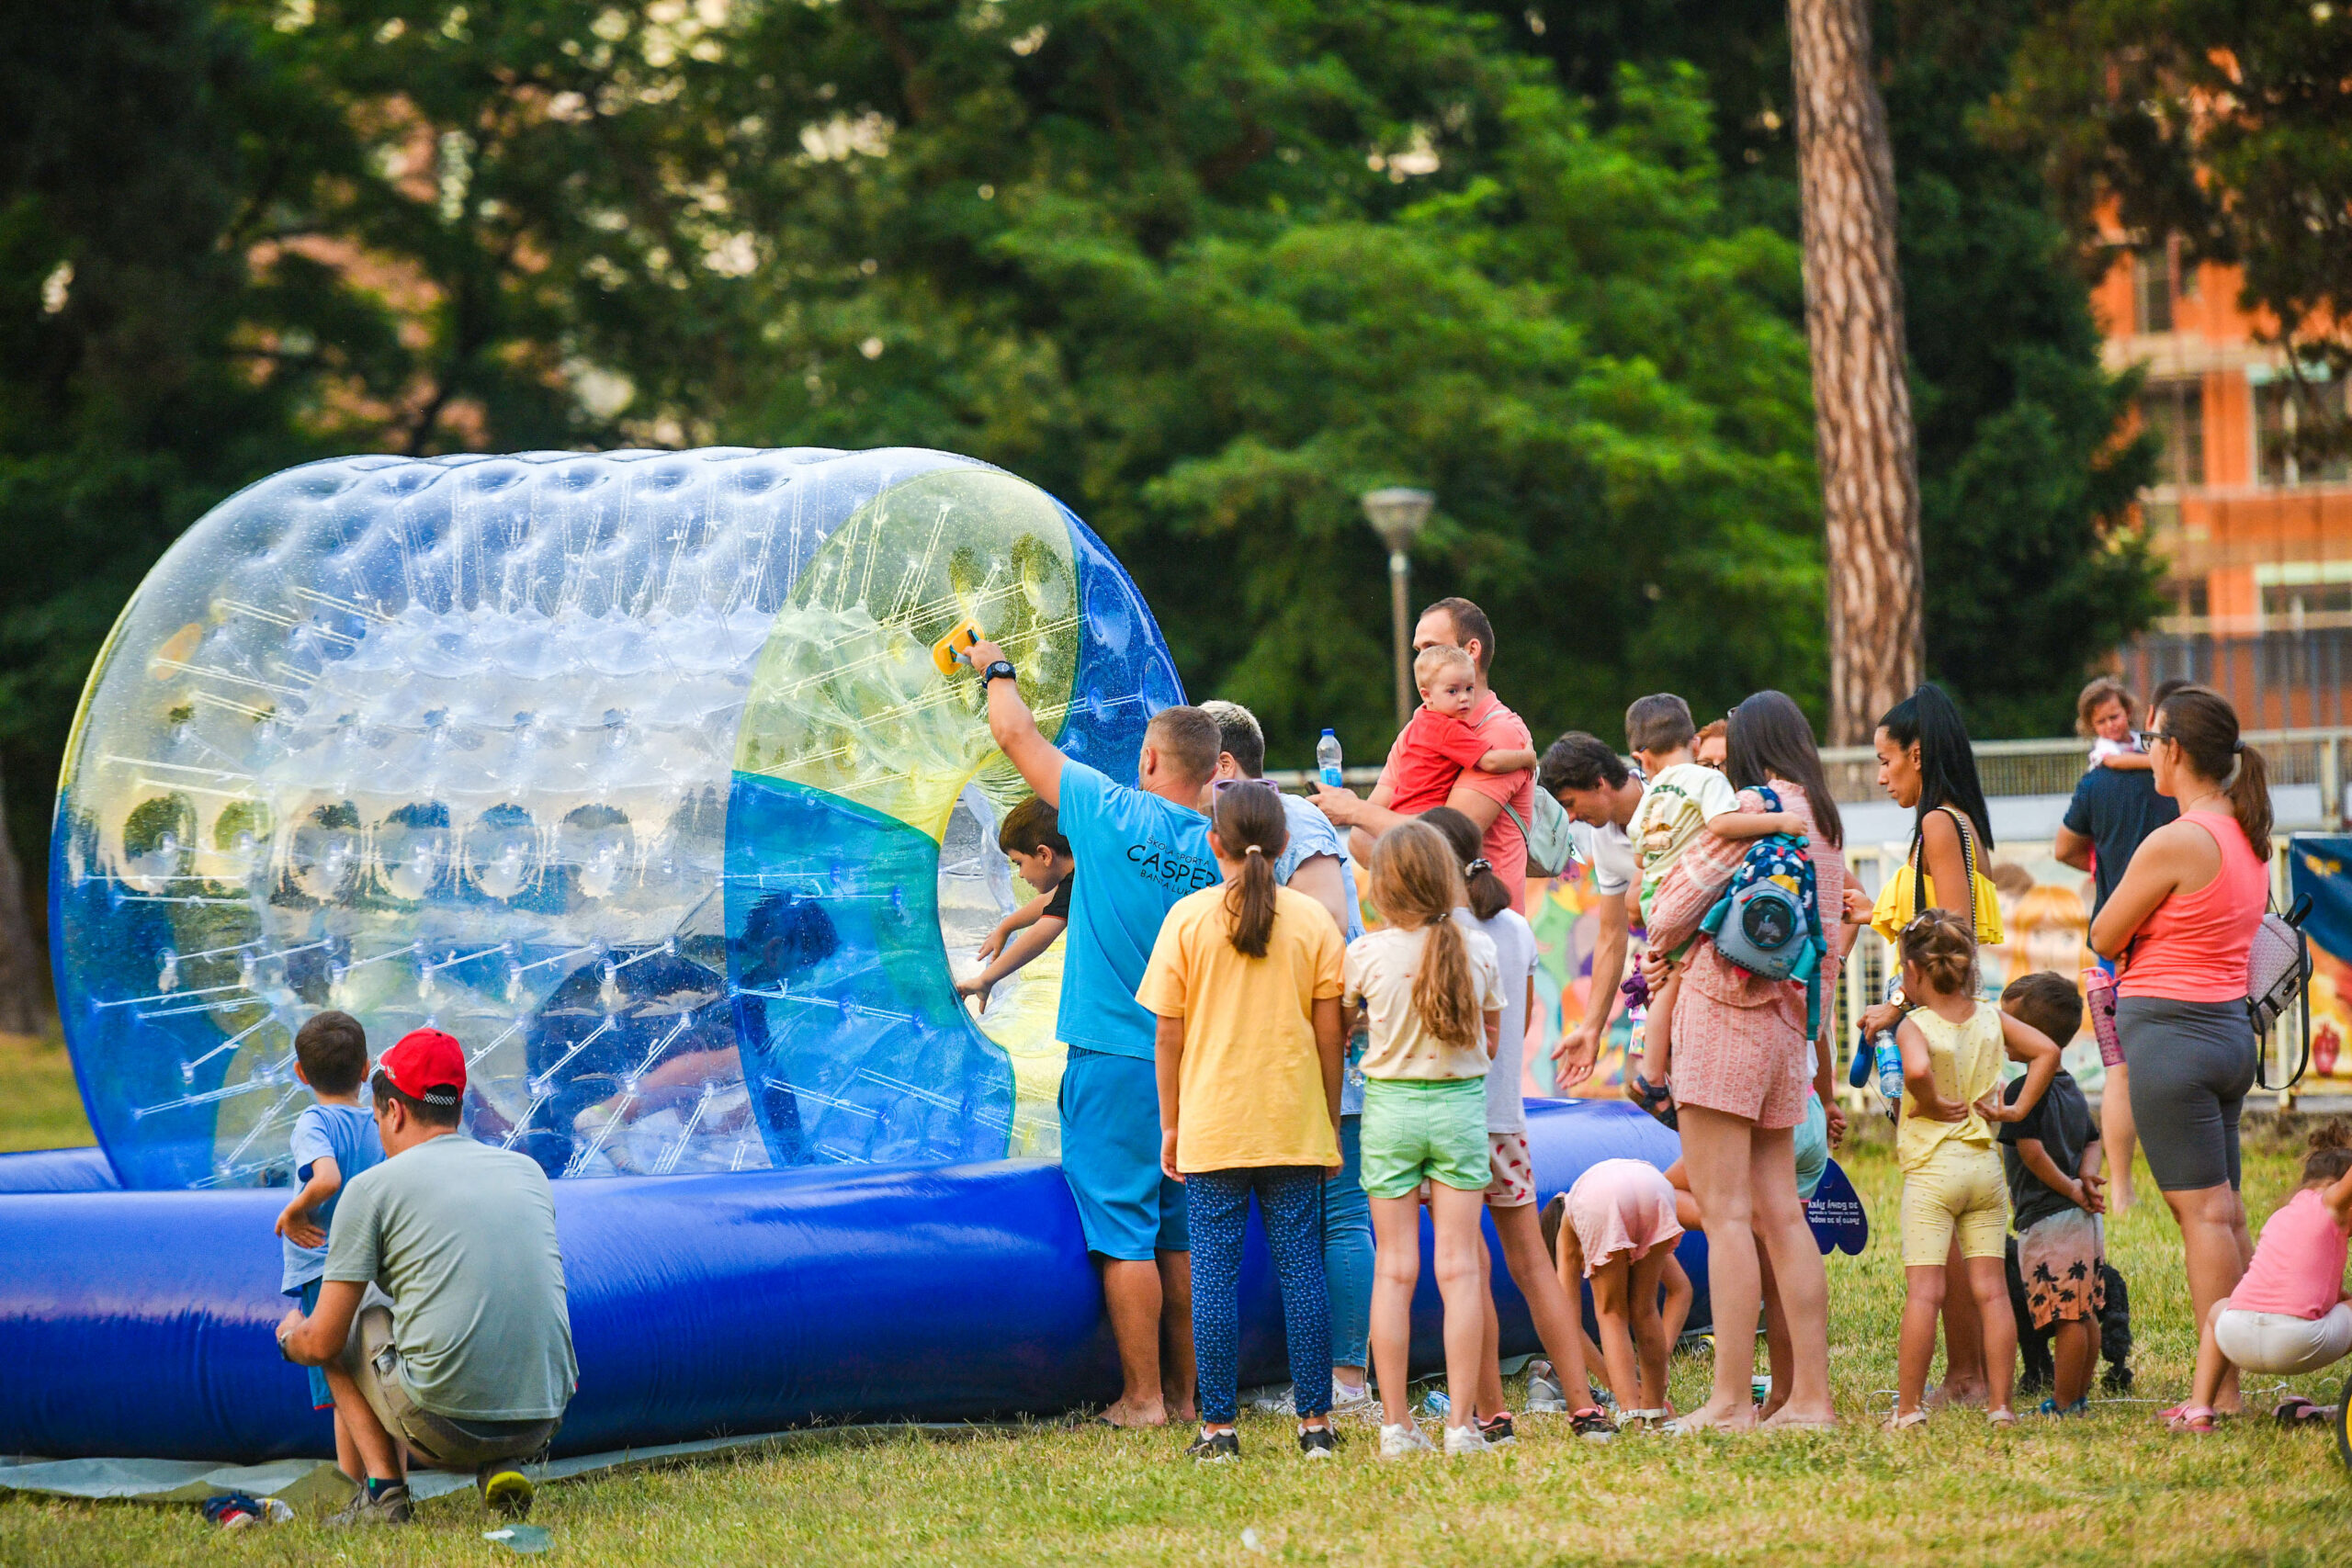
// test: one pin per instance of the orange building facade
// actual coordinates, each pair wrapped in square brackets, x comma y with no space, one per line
[2258,540]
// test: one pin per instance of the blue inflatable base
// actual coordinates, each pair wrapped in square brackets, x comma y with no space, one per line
[141,1324]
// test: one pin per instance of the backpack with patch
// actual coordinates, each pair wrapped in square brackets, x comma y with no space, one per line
[1769,920]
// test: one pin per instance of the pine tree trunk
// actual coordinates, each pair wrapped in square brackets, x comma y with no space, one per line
[1869,477]
[20,975]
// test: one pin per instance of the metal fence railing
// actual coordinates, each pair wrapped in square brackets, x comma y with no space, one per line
[2053,767]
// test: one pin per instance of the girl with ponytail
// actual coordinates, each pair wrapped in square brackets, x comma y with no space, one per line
[1244,980]
[1432,988]
[2179,926]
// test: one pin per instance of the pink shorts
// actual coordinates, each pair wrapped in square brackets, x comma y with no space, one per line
[1514,1183]
[1745,1062]
[1620,1206]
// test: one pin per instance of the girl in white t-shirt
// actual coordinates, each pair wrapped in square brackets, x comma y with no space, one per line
[1431,989]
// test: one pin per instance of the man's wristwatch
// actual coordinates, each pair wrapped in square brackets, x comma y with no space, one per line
[1001,669]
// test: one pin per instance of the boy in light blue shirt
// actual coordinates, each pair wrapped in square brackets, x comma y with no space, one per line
[334,1140]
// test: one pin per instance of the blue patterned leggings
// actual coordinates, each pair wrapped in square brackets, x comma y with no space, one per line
[1290,1201]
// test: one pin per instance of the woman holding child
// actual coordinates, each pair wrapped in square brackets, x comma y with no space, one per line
[1744,1062]
[2179,926]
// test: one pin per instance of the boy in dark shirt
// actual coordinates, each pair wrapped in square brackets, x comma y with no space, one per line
[1032,836]
[2051,1156]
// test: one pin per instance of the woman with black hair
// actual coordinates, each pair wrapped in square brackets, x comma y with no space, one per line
[1925,763]
[2179,926]
[1745,1065]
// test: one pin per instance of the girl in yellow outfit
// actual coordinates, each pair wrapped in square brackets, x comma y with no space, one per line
[1952,1044]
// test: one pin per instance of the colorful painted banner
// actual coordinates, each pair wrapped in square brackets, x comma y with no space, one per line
[2315,870]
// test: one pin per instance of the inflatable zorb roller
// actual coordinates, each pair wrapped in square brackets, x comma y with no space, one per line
[633,771]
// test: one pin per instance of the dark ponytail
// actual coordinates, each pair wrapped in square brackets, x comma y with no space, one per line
[2202,722]
[1490,896]
[1250,828]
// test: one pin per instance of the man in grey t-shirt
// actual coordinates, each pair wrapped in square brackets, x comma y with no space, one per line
[441,1323]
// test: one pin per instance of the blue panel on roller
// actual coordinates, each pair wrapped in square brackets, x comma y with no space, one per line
[58,1170]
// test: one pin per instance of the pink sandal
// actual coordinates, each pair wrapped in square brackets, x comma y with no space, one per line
[2194,1419]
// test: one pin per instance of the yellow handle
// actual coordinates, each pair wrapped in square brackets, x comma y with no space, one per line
[948,650]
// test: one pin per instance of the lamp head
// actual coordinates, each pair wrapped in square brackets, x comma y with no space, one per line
[1396,515]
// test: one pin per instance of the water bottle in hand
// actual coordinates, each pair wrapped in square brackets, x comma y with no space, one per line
[1890,1067]
[1326,759]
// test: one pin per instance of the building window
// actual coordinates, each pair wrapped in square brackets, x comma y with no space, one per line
[2296,603]
[2152,291]
[2175,415]
[2280,410]
[2195,600]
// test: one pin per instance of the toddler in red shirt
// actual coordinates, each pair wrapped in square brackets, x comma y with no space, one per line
[1438,744]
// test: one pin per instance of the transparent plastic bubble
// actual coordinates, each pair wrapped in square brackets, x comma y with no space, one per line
[633,771]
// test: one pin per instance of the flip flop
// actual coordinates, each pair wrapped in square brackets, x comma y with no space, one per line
[1904,1423]
[2195,1420]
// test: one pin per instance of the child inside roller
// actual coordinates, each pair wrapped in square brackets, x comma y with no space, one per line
[1031,835]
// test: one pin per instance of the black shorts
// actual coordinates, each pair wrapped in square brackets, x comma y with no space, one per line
[2191,1065]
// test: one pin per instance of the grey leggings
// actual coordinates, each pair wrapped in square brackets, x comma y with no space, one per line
[2191,1066]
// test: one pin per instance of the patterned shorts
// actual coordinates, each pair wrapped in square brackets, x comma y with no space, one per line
[2058,1258]
[1513,1186]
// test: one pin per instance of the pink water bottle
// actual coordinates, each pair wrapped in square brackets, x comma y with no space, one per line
[2099,990]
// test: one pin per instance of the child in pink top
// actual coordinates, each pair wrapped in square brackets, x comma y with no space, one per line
[2289,1314]
[1619,1238]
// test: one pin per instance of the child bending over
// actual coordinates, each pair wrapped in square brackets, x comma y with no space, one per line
[1032,836]
[2288,1315]
[1438,743]
[2051,1156]
[1432,991]
[1680,798]
[1244,980]
[1952,1045]
[334,1140]
[1619,1237]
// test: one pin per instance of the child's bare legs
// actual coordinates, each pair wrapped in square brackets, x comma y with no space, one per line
[2074,1348]
[1612,1288]
[1964,1371]
[2119,1135]
[1550,1306]
[1923,1298]
[1396,1269]
[1650,1343]
[347,1452]
[1989,1280]
[1657,1030]
[1676,1310]
[1453,1216]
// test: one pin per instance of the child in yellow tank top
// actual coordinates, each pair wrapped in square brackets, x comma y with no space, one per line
[1952,1046]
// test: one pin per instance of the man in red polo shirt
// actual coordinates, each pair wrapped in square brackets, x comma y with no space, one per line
[1457,623]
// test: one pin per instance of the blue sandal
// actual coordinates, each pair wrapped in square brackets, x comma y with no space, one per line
[1653,1097]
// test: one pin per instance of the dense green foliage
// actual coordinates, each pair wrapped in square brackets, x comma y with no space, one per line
[1208,271]
[2033,568]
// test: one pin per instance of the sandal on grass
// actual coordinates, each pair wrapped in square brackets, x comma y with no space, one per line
[2295,1411]
[1904,1423]
[2197,1419]
[2004,1416]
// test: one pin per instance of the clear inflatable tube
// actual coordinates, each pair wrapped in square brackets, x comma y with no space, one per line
[141,1322]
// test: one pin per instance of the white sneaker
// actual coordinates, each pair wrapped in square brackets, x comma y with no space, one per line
[1404,1440]
[1544,1395]
[1345,1401]
[1461,1440]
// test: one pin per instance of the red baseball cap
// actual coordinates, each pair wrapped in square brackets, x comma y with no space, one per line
[426,1065]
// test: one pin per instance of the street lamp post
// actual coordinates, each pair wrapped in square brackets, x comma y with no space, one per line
[1396,515]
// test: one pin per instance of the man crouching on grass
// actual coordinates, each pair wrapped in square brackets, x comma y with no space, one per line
[468,1365]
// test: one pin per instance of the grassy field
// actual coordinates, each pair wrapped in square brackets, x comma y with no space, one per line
[2112,1489]
[40,1107]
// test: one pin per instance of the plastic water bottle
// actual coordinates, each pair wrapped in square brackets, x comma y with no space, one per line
[1890,1067]
[1326,759]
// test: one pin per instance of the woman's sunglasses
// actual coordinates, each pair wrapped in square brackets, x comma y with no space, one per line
[2146,738]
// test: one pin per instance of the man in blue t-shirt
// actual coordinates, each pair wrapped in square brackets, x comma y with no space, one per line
[1138,852]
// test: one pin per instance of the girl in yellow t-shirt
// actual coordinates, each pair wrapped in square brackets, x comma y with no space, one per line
[1952,1042]
[1244,980]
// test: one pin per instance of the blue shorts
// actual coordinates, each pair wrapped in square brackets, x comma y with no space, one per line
[321,1397]
[1110,1108]
[1813,1147]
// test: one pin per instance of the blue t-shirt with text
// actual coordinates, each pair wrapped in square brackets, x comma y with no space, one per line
[1136,855]
[346,1133]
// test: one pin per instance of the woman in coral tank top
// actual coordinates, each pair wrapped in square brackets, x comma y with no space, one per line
[2180,925]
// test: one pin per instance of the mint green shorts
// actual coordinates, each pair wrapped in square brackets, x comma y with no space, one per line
[1418,1129]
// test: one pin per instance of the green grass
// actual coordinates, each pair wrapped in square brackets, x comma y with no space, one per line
[40,1107]
[2112,1489]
